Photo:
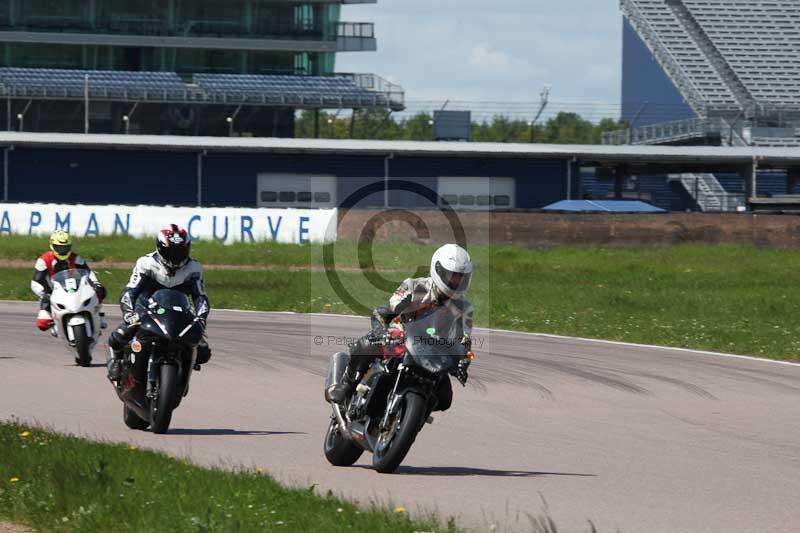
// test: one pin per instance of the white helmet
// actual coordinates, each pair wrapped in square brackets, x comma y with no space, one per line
[451,270]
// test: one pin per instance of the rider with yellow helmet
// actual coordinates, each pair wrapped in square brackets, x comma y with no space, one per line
[59,257]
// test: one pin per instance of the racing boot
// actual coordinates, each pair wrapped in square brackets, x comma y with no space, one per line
[361,354]
[44,320]
[116,344]
[115,366]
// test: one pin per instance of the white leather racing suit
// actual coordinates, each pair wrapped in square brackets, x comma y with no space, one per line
[420,294]
[413,296]
[150,275]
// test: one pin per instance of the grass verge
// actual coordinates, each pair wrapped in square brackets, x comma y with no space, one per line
[62,483]
[734,299]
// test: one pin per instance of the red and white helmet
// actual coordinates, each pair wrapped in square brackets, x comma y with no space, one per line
[451,270]
[173,246]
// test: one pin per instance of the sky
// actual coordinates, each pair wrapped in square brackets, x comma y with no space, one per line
[496,51]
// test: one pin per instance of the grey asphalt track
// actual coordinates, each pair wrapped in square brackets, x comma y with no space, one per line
[633,438]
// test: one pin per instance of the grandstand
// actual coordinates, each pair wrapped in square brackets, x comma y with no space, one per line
[200,67]
[712,72]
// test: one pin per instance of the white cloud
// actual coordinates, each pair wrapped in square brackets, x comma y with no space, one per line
[498,51]
[491,61]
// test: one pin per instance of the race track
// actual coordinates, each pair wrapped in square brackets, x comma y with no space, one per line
[635,439]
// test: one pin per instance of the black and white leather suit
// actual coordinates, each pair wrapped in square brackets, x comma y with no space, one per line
[149,275]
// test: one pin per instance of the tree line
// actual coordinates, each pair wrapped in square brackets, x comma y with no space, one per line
[563,128]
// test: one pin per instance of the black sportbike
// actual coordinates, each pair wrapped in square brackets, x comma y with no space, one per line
[159,360]
[396,396]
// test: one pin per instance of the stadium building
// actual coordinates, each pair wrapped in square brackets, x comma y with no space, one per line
[711,72]
[183,67]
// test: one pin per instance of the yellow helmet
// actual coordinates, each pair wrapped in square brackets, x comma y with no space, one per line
[61,244]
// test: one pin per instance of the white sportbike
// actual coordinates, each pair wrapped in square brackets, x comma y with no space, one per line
[77,313]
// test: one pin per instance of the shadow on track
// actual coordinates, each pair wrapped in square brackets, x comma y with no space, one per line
[469,471]
[231,432]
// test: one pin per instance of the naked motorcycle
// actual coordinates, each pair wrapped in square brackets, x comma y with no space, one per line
[396,395]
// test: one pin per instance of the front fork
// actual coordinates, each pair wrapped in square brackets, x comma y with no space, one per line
[393,399]
[152,370]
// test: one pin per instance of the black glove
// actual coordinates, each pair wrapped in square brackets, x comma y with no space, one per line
[100,291]
[382,317]
[130,317]
[203,353]
[466,340]
[461,372]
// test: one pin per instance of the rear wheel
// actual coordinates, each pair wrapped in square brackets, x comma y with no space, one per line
[395,442]
[161,407]
[82,345]
[132,420]
[339,451]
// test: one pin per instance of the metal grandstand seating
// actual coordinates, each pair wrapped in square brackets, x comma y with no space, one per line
[734,61]
[341,91]
[679,55]
[709,194]
[724,53]
[760,40]
[786,142]
[678,130]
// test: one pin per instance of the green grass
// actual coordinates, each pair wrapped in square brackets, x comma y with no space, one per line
[127,249]
[735,299]
[62,483]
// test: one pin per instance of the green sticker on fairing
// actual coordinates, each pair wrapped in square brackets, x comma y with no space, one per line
[161,311]
[431,331]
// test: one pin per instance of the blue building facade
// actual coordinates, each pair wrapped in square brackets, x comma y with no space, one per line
[646,88]
[229,179]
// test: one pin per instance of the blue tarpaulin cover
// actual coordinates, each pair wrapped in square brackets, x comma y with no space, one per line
[604,206]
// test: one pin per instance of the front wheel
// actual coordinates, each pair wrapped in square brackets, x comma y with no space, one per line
[161,407]
[395,442]
[82,345]
[339,451]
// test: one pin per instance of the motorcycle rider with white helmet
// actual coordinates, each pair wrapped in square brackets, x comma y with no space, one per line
[169,267]
[450,277]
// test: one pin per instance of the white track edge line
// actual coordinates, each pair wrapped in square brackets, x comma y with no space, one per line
[527,333]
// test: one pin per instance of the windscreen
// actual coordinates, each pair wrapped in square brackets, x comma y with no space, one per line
[168,314]
[171,300]
[70,280]
[434,340]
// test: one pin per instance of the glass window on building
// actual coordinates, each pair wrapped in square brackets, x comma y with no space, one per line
[215,17]
[133,16]
[42,55]
[135,58]
[200,60]
[270,62]
[304,18]
[5,12]
[274,20]
[54,13]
